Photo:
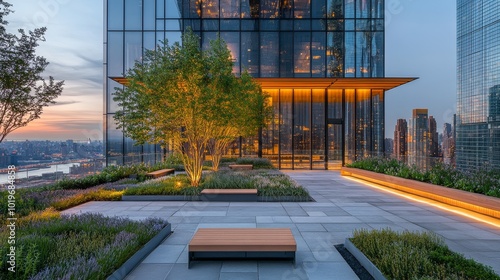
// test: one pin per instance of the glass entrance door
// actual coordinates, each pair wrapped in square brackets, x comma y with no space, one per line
[335,144]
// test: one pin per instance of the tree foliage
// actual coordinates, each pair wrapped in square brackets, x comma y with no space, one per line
[23,91]
[190,99]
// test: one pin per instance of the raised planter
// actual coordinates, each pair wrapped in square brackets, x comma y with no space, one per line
[137,258]
[479,203]
[160,198]
[363,260]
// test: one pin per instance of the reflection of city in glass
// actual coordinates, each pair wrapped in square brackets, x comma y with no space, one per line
[288,46]
[478,46]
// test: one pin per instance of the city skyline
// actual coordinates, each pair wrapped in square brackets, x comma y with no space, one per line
[76,57]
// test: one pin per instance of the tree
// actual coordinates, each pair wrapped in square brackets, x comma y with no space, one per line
[184,96]
[23,91]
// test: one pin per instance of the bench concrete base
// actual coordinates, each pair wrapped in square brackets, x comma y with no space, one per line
[236,195]
[241,166]
[194,256]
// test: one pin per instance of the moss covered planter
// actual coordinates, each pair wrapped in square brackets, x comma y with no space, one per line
[479,203]
[140,255]
[363,260]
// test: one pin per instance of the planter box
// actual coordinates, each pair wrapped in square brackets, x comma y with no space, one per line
[363,260]
[160,198]
[479,203]
[137,258]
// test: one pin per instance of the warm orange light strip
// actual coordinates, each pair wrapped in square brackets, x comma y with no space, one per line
[456,210]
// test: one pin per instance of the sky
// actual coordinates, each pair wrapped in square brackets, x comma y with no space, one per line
[420,42]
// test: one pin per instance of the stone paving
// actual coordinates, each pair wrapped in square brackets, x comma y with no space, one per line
[341,206]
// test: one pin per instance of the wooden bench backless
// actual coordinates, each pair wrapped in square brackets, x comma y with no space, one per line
[242,243]
[159,173]
[241,166]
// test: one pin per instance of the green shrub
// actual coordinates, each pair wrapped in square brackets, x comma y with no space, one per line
[410,255]
[258,163]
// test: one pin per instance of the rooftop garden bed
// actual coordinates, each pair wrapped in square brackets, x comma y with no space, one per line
[482,181]
[410,255]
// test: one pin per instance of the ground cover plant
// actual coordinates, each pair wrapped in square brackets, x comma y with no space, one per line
[483,181]
[413,255]
[267,184]
[87,246]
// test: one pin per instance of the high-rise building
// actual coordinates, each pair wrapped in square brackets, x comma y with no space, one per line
[433,138]
[448,144]
[389,146]
[478,53]
[322,63]
[418,138]
[401,140]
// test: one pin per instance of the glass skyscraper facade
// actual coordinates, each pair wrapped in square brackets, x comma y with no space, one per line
[478,73]
[321,61]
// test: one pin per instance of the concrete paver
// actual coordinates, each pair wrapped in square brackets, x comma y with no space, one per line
[341,206]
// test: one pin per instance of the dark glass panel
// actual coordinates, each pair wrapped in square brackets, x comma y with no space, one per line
[286,10]
[335,24]
[335,104]
[363,123]
[133,49]
[210,24]
[250,146]
[210,8]
[363,53]
[318,8]
[173,9]
[318,49]
[363,8]
[115,14]
[335,8]
[194,8]
[230,8]
[250,52]
[350,55]
[302,54]
[377,8]
[377,53]
[286,24]
[302,128]
[133,14]
[349,24]
[250,25]
[111,104]
[229,24]
[335,141]
[160,8]
[350,126]
[270,134]
[114,145]
[115,54]
[318,24]
[318,129]
[378,25]
[302,24]
[173,25]
[286,54]
[149,15]
[335,54]
[232,40]
[363,25]
[349,9]
[270,25]
[194,24]
[149,41]
[301,8]
[133,153]
[378,122]
[286,125]
[250,9]
[269,54]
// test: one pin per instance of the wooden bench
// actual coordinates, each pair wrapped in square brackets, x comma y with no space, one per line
[242,243]
[160,173]
[241,166]
[229,195]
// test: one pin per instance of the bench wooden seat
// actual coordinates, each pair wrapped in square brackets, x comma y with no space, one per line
[242,243]
[241,166]
[160,173]
[229,195]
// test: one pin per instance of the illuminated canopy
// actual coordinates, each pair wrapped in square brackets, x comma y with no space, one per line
[322,83]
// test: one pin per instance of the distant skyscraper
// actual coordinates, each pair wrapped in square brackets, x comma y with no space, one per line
[478,53]
[433,138]
[448,144]
[401,139]
[418,138]
[389,146]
